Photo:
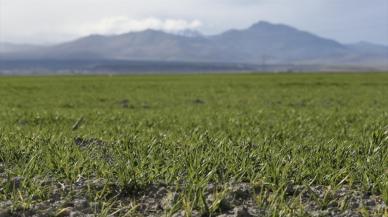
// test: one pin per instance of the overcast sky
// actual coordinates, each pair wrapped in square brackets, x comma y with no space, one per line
[50,21]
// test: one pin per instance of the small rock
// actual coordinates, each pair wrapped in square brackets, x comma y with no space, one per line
[354,204]
[51,211]
[4,213]
[239,194]
[124,103]
[76,214]
[16,182]
[42,206]
[94,205]
[64,212]
[370,203]
[294,189]
[22,122]
[6,203]
[182,213]
[237,212]
[80,204]
[3,176]
[35,197]
[55,195]
[333,204]
[318,190]
[98,184]
[350,213]
[341,192]
[211,188]
[226,204]
[242,191]
[179,214]
[162,192]
[150,204]
[210,199]
[198,101]
[241,212]
[224,215]
[170,200]
[68,203]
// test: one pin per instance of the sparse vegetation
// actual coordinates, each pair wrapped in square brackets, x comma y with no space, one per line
[229,145]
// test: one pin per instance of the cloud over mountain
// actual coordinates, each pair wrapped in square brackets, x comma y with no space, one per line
[122,24]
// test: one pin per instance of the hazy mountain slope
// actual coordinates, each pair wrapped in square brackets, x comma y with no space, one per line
[367,48]
[17,48]
[262,43]
[145,45]
[277,42]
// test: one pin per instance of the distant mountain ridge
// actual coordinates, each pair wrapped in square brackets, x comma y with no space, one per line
[14,48]
[262,43]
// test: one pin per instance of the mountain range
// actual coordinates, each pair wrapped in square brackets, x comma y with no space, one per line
[263,43]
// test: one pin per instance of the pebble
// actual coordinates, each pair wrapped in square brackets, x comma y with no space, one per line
[241,212]
[64,212]
[242,191]
[80,204]
[162,192]
[16,182]
[182,213]
[76,214]
[170,200]
[237,212]
[370,203]
[4,213]
[94,205]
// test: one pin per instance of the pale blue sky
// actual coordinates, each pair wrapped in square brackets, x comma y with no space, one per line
[48,21]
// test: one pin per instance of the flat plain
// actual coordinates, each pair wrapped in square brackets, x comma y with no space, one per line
[307,144]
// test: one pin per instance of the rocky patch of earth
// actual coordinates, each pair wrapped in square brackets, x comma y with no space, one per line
[234,200]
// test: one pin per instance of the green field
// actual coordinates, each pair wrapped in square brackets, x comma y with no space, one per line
[111,140]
